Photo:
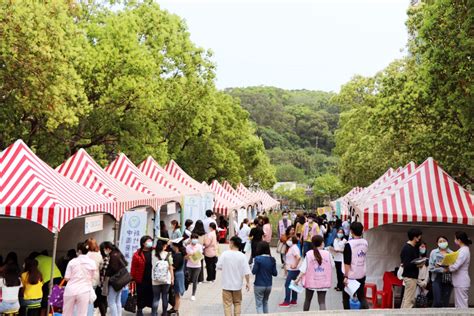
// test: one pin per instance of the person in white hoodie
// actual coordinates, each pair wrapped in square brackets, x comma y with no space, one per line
[244,233]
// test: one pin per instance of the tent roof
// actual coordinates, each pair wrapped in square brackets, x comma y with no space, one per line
[179,174]
[32,190]
[428,194]
[221,205]
[267,201]
[82,169]
[126,172]
[249,195]
[236,195]
[154,171]
[220,191]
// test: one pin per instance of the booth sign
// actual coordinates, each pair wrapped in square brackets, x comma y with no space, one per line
[93,223]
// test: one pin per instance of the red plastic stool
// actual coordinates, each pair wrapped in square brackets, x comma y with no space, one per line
[373,293]
[384,299]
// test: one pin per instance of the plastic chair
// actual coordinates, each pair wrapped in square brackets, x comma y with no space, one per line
[373,294]
[383,299]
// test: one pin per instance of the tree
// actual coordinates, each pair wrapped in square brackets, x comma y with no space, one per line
[328,186]
[288,172]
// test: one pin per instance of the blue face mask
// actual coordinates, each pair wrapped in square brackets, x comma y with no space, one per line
[194,241]
[340,235]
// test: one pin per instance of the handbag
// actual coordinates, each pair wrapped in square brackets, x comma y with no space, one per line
[120,279]
[56,298]
[131,303]
[421,301]
[447,278]
[105,286]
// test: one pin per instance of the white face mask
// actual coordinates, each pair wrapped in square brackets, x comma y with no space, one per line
[289,243]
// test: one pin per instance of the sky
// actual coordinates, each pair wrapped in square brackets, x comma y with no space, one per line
[295,44]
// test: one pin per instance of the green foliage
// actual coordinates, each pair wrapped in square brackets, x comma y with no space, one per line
[296,126]
[328,186]
[128,80]
[417,107]
[297,195]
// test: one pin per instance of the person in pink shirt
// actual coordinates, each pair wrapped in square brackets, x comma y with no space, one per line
[210,252]
[79,275]
[194,256]
[267,229]
[292,260]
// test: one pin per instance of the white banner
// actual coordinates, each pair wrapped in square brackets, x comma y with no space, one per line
[193,207]
[208,201]
[171,208]
[242,214]
[93,223]
[133,227]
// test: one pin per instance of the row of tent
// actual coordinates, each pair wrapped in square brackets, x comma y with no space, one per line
[32,190]
[424,193]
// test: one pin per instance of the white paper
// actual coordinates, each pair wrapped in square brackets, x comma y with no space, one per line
[352,287]
[295,287]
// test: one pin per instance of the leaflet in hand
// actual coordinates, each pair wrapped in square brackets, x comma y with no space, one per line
[352,287]
[196,257]
[450,258]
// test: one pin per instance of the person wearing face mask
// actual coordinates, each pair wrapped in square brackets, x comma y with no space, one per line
[423,274]
[338,249]
[141,273]
[410,252]
[310,229]
[460,271]
[292,260]
[194,255]
[283,224]
[441,285]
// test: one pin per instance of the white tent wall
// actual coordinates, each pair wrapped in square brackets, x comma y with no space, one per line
[385,244]
[23,236]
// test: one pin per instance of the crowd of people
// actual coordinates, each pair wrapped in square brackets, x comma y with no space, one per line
[310,248]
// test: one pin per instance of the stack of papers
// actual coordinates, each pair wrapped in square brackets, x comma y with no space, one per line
[450,258]
[352,287]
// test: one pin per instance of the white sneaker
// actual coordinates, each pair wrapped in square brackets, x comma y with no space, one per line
[193,298]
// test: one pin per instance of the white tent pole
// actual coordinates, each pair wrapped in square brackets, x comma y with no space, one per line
[116,232]
[53,262]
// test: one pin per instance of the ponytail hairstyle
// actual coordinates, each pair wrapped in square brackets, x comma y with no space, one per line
[317,241]
[462,236]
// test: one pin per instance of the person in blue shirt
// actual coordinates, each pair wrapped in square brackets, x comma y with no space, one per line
[264,268]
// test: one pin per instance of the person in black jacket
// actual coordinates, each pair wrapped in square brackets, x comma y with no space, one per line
[410,252]
[256,236]
[178,252]
[114,261]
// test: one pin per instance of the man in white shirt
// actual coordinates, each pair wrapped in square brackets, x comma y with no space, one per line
[208,220]
[234,267]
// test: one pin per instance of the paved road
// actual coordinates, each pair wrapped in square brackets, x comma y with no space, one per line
[209,300]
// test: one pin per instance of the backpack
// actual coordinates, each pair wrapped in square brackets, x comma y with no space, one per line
[161,270]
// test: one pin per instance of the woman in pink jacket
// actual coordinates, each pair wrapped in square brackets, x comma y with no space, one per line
[316,273]
[210,252]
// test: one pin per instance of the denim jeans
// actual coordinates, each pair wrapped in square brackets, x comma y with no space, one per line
[262,293]
[114,300]
[160,292]
[441,292]
[307,246]
[292,275]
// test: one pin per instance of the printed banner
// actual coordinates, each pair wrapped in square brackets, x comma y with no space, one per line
[208,201]
[193,207]
[134,225]
[93,223]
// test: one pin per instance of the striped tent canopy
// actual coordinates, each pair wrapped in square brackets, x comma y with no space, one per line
[247,194]
[365,192]
[428,194]
[345,202]
[219,190]
[236,195]
[179,174]
[82,169]
[32,190]
[126,172]
[154,171]
[267,201]
[221,205]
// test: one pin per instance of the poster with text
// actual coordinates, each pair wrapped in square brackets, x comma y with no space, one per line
[193,207]
[133,228]
[208,201]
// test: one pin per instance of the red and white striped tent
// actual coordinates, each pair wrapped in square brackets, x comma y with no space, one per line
[230,201]
[221,205]
[126,172]
[233,192]
[82,169]
[154,171]
[344,202]
[267,201]
[32,190]
[179,174]
[428,194]
[249,195]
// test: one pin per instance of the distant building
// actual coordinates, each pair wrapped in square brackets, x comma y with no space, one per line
[285,185]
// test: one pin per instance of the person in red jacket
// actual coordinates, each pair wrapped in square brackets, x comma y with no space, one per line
[141,274]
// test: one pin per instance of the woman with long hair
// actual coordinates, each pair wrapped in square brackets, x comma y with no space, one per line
[244,232]
[175,230]
[114,262]
[292,260]
[94,254]
[161,259]
[210,252]
[316,272]
[10,285]
[79,275]
[338,250]
[460,271]
[178,253]
[201,232]
[141,270]
[32,281]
